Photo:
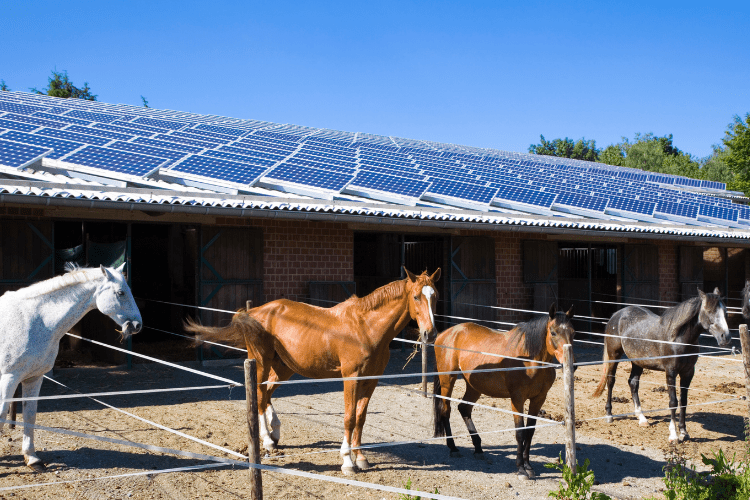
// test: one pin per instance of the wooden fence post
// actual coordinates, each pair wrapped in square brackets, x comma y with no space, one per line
[253,431]
[570,406]
[745,344]
[248,305]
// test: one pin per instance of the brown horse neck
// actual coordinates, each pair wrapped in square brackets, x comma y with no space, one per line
[387,312]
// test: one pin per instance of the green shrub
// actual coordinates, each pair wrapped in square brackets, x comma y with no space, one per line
[407,496]
[577,484]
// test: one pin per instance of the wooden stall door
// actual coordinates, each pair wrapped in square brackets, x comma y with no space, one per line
[329,293]
[640,274]
[691,271]
[231,273]
[26,253]
[540,264]
[472,280]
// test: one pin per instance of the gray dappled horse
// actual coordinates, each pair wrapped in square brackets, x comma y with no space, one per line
[632,330]
[34,319]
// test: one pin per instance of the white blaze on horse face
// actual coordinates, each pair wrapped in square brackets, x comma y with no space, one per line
[719,328]
[428,292]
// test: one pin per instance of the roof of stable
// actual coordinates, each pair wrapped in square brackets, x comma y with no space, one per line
[77,150]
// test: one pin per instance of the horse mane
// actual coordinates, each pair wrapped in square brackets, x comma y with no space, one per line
[377,298]
[74,274]
[674,318]
[534,334]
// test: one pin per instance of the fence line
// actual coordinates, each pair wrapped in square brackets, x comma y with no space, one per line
[114,393]
[706,403]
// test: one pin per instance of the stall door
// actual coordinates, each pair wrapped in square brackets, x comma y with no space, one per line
[26,253]
[473,287]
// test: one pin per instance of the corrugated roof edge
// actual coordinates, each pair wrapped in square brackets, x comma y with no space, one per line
[155,200]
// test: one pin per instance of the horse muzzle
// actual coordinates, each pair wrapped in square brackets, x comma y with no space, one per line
[131,327]
[427,337]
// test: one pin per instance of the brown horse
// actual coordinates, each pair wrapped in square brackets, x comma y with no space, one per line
[349,339]
[541,339]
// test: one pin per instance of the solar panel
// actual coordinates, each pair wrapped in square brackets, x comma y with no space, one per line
[147,150]
[209,136]
[99,133]
[463,190]
[138,126]
[31,120]
[222,130]
[60,147]
[219,170]
[115,161]
[73,136]
[524,195]
[317,164]
[240,158]
[583,201]
[63,119]
[714,212]
[94,117]
[390,184]
[622,203]
[15,155]
[679,209]
[23,127]
[167,145]
[324,179]
[197,137]
[401,172]
[19,108]
[122,130]
[189,142]
[151,122]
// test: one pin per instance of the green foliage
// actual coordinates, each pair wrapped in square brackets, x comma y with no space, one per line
[407,496]
[727,479]
[737,157]
[61,86]
[576,484]
[613,155]
[566,148]
[144,101]
[3,86]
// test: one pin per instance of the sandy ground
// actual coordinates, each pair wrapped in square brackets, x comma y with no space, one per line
[626,458]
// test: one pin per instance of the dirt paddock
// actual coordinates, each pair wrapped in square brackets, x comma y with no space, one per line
[626,458]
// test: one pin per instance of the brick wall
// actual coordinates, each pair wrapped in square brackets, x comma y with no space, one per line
[296,252]
[512,292]
[669,285]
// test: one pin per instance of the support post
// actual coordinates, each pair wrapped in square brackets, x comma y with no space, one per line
[253,430]
[570,409]
[424,369]
[248,305]
[745,344]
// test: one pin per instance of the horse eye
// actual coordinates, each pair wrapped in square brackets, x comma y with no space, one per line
[120,293]
[416,297]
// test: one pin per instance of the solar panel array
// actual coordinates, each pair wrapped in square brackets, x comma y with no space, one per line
[137,144]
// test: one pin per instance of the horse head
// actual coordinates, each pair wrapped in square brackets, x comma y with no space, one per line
[422,298]
[746,300]
[713,316]
[560,331]
[114,298]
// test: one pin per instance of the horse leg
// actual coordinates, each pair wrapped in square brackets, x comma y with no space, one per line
[279,372]
[685,380]
[471,396]
[264,400]
[516,405]
[671,387]
[14,407]
[8,385]
[611,378]
[31,389]
[365,390]
[634,382]
[350,419]
[443,386]
[535,404]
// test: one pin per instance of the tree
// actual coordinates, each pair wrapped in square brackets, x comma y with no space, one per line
[3,86]
[61,86]
[144,101]
[737,158]
[566,148]
[613,154]
[714,167]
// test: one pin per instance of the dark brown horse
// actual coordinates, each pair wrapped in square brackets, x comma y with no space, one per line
[347,340]
[632,332]
[541,339]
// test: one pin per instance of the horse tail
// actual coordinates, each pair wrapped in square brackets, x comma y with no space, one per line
[243,331]
[603,381]
[437,409]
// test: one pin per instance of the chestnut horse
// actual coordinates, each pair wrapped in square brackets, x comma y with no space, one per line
[349,339]
[541,339]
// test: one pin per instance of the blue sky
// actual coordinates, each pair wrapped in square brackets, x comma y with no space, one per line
[487,74]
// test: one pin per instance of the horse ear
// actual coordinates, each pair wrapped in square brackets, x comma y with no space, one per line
[435,276]
[701,294]
[716,291]
[106,273]
[121,269]
[552,310]
[410,275]
[569,314]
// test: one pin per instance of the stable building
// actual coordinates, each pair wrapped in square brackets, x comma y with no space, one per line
[211,212]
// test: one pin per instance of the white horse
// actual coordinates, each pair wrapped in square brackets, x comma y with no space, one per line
[34,319]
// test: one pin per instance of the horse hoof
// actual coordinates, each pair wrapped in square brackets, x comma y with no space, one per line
[684,437]
[456,454]
[348,470]
[644,423]
[363,464]
[523,476]
[36,465]
[530,472]
[479,456]
[609,419]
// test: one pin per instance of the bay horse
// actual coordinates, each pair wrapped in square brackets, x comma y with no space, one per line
[678,329]
[34,319]
[349,339]
[541,339]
